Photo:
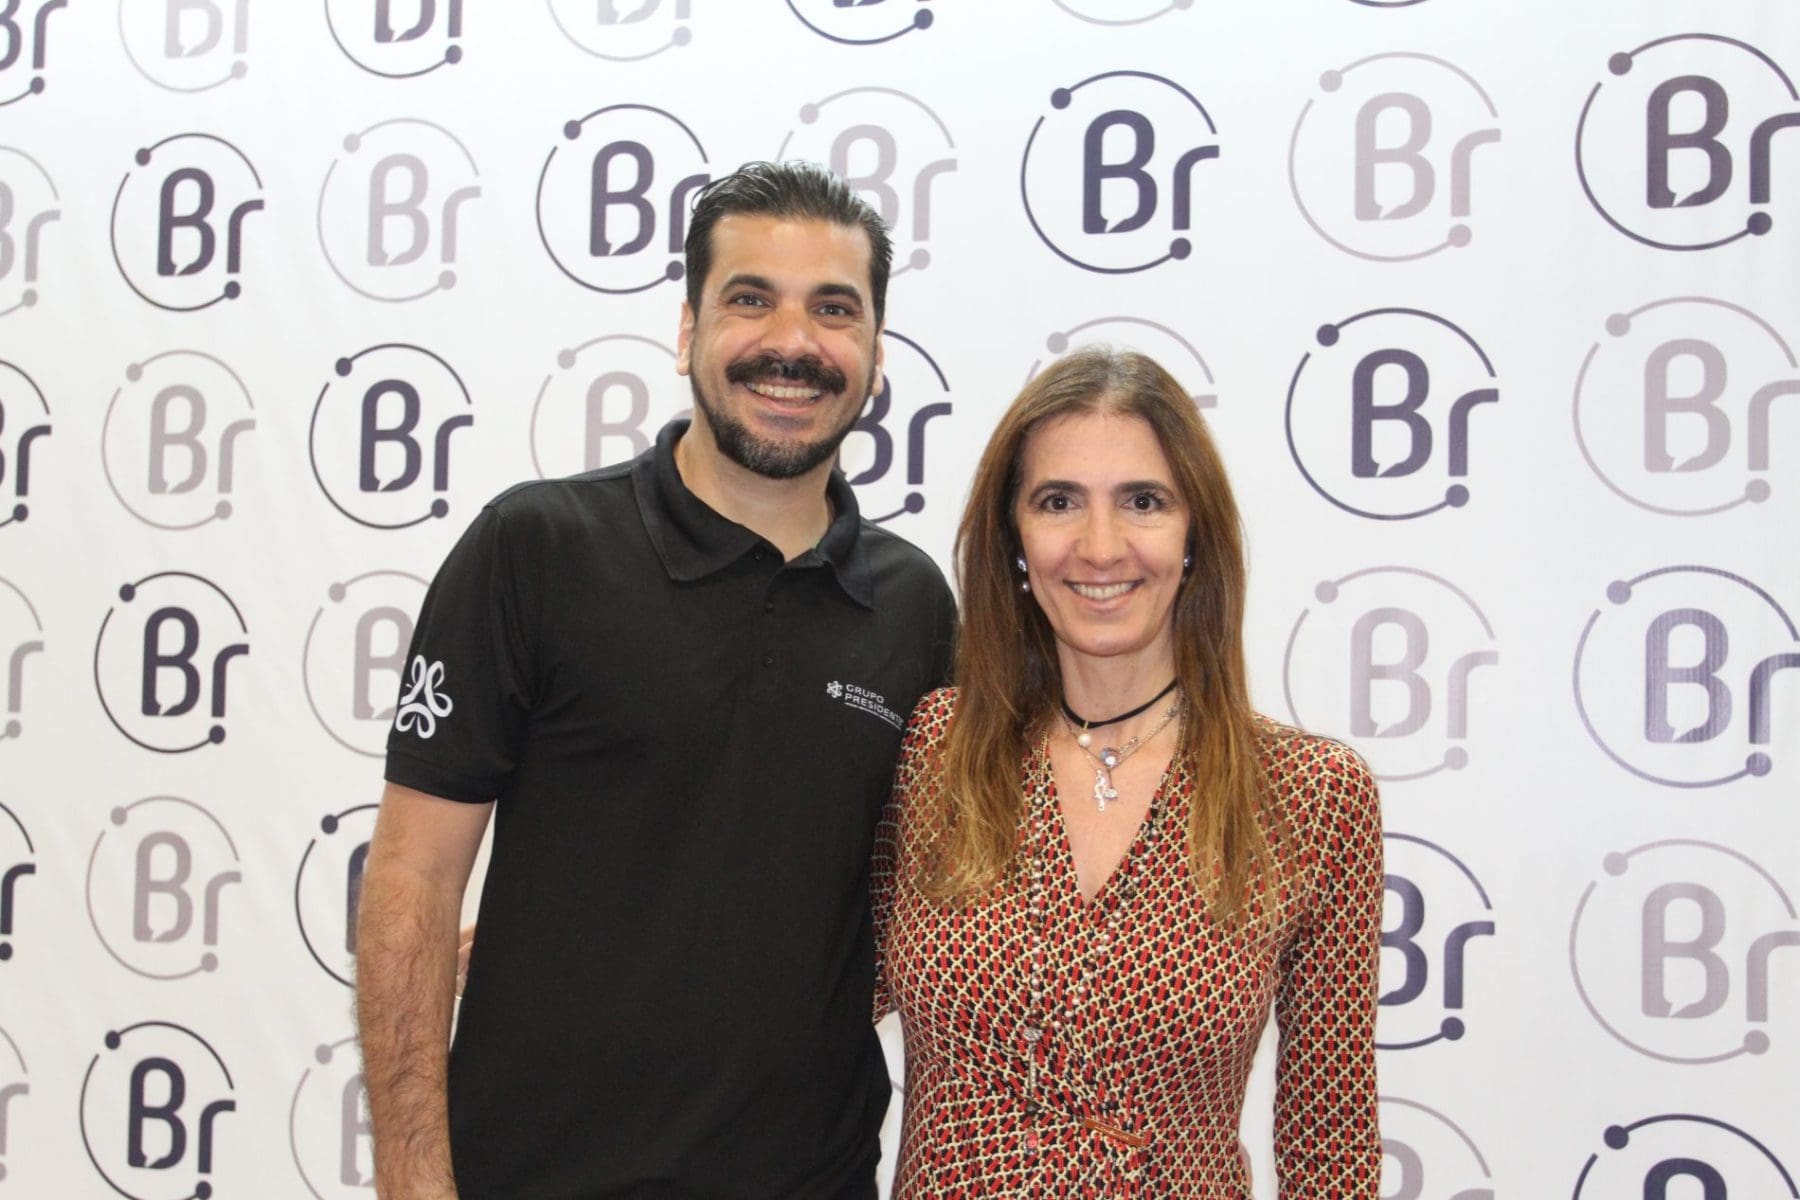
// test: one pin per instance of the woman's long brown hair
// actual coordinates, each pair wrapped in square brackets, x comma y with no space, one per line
[1007,674]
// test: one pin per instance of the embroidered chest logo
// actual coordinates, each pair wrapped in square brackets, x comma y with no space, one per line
[421,706]
[864,700]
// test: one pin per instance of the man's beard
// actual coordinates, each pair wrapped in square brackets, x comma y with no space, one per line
[773,459]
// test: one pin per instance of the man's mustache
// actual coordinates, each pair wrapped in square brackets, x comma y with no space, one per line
[771,367]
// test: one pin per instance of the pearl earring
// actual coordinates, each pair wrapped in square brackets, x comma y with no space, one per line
[1024,584]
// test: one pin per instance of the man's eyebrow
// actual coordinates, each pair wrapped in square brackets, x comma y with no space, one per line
[841,290]
[759,282]
[763,283]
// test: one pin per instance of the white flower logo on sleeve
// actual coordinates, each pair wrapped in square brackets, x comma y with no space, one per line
[422,705]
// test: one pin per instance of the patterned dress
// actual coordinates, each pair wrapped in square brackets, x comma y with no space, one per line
[1059,1047]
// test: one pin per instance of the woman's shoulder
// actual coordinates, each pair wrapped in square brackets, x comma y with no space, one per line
[1315,776]
[931,717]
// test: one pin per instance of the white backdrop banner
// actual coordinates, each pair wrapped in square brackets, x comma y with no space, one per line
[1492,306]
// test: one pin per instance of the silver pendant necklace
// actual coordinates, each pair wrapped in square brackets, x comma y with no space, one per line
[1110,757]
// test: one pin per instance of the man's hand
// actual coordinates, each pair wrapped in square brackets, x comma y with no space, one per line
[406,953]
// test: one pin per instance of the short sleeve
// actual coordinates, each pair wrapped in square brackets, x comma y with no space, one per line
[465,690]
[1327,1139]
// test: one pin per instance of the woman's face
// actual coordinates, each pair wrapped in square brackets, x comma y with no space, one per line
[1104,532]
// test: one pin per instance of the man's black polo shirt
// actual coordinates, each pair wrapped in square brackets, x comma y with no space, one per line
[690,742]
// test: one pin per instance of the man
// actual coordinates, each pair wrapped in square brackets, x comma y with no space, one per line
[679,683]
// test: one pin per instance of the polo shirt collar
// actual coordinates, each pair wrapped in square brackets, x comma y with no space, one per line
[694,541]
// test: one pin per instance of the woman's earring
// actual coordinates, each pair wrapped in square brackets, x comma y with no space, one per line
[1024,584]
[1187,563]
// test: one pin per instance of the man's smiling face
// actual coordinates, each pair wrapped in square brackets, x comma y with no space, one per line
[784,349]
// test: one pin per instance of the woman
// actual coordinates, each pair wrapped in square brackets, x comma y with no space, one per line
[1100,867]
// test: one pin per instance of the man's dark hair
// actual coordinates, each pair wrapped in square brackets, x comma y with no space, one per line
[791,191]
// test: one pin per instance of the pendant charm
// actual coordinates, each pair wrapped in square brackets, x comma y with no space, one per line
[1110,758]
[1104,791]
[1084,739]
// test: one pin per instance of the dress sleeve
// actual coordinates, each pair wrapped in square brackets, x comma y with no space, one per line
[889,865]
[465,689]
[1327,1141]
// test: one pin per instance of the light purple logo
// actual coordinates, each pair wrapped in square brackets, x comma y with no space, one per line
[1168,346]
[328,1125]
[624,30]
[1425,1153]
[157,880]
[29,205]
[392,207]
[354,661]
[187,45]
[21,640]
[603,403]
[170,441]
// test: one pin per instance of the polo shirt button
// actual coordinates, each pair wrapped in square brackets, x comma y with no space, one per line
[768,660]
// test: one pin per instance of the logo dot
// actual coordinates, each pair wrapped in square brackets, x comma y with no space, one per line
[1759,764]
[322,1055]
[352,142]
[922,19]
[1060,98]
[453,55]
[919,258]
[1460,235]
[203,1190]
[572,129]
[233,290]
[21,511]
[1326,592]
[143,157]
[29,298]
[1618,591]
[118,816]
[915,502]
[1756,1042]
[1456,758]
[13,729]
[682,36]
[447,280]
[565,359]
[1456,495]
[128,592]
[674,270]
[809,113]
[5,951]
[440,508]
[336,593]
[1756,491]
[209,961]
[1619,64]
[134,372]
[343,367]
[112,1039]
[37,85]
[1616,1137]
[1759,224]
[329,823]
[222,509]
[1180,248]
[239,69]
[1057,342]
[1326,335]
[1618,325]
[1331,81]
[1615,863]
[216,734]
[1453,1029]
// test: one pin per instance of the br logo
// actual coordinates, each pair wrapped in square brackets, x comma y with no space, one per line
[862,22]
[163,661]
[328,1125]
[601,405]
[170,441]
[15,1085]
[624,30]
[1674,1156]
[152,1107]
[1121,12]
[1425,1153]
[1673,406]
[328,889]
[380,438]
[29,204]
[1674,947]
[613,197]
[1435,909]
[1676,145]
[1382,162]
[156,885]
[398,39]
[1379,412]
[891,148]
[18,862]
[354,659]
[1390,658]
[1677,676]
[24,422]
[391,206]
[885,457]
[1112,173]
[1168,347]
[179,220]
[25,47]
[21,639]
[186,45]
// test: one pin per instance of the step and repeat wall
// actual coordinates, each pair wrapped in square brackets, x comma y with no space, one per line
[1493,307]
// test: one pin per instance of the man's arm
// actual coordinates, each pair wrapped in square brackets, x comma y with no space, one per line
[406,938]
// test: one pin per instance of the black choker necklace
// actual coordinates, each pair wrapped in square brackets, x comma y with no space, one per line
[1085,724]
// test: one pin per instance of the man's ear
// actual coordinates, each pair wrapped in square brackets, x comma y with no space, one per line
[879,376]
[684,339]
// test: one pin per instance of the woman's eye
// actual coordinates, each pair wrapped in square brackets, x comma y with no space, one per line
[1145,502]
[1056,502]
